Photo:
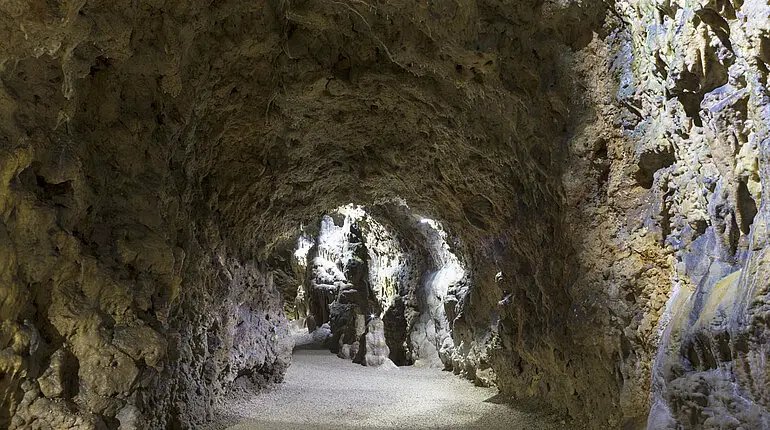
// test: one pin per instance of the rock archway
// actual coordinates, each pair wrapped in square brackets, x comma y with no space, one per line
[352,268]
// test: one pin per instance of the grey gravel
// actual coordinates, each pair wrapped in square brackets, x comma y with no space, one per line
[322,391]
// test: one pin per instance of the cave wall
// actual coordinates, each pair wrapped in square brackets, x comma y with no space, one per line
[711,64]
[120,310]
[121,305]
[666,181]
[663,201]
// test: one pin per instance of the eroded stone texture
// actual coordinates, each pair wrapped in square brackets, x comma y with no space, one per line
[417,326]
[674,217]
[117,289]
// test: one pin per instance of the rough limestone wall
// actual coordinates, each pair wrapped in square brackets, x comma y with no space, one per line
[120,303]
[665,186]
[385,260]
[228,333]
[711,67]
[289,276]
[104,321]
[428,271]
[622,275]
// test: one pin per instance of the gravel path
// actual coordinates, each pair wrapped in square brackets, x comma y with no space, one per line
[322,391]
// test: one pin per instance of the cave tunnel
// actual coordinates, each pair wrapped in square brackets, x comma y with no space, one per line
[501,214]
[352,275]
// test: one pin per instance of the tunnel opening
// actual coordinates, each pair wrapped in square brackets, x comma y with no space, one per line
[376,290]
[371,294]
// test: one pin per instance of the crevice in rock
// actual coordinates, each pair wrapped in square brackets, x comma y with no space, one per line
[746,209]
[691,103]
[764,50]
[650,161]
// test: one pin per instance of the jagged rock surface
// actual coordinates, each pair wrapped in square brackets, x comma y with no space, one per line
[667,184]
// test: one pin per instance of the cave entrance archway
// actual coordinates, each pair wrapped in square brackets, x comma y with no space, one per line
[152,153]
[377,285]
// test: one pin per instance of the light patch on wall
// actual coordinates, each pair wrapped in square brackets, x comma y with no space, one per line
[304,243]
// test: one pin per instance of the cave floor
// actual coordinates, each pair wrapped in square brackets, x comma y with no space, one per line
[322,391]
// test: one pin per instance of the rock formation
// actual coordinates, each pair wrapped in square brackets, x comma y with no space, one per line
[599,169]
[376,350]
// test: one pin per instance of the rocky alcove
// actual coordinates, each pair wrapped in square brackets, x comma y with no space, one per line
[598,170]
